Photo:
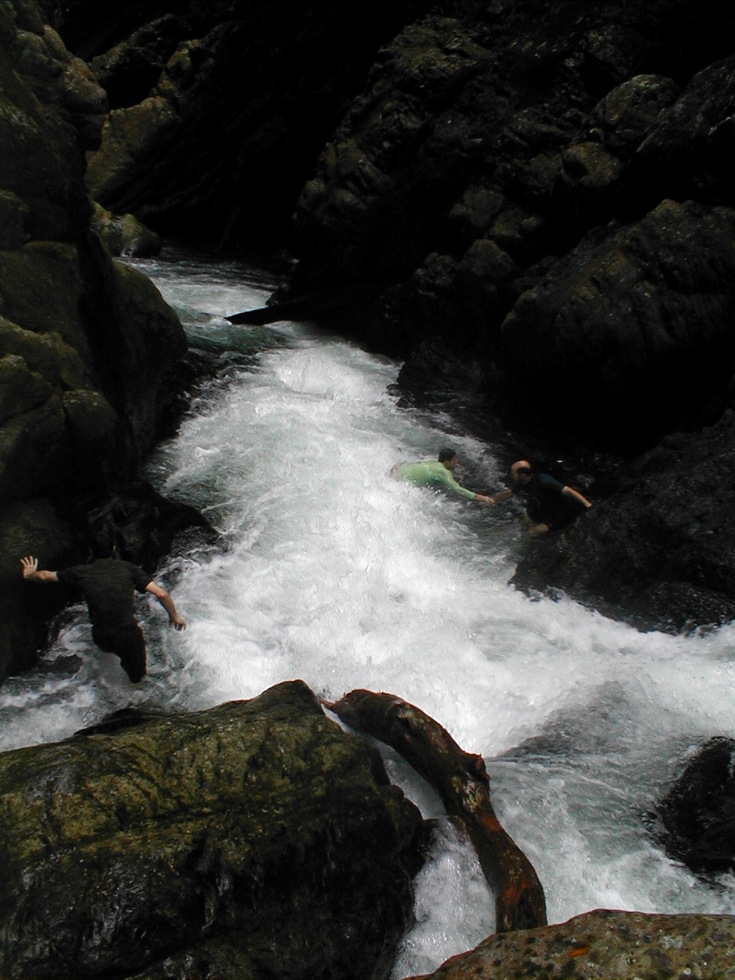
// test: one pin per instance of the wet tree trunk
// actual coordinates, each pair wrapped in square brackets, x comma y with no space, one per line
[462,782]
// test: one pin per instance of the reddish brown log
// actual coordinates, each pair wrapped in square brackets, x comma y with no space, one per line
[462,782]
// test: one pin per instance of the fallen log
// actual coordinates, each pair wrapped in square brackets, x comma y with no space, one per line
[310,306]
[304,308]
[462,782]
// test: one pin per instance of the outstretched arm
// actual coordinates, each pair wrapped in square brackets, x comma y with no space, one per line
[32,573]
[449,480]
[168,604]
[576,495]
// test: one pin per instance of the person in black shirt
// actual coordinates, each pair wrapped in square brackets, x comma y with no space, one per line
[547,499]
[108,585]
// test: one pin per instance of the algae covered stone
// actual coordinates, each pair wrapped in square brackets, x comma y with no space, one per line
[259,826]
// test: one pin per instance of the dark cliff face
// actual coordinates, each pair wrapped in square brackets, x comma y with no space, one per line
[88,349]
[218,109]
[493,172]
[505,176]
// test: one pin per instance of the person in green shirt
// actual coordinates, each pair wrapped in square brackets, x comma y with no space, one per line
[437,472]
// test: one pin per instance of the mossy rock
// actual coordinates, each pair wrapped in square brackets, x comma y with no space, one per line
[41,163]
[258,825]
[41,288]
[28,527]
[20,389]
[35,453]
[46,354]
[123,234]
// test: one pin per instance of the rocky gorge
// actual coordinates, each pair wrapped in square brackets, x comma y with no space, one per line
[531,205]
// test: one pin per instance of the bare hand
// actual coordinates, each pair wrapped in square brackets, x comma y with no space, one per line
[30,566]
[178,623]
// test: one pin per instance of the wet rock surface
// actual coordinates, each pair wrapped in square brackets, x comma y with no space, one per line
[256,834]
[196,144]
[697,815]
[507,175]
[89,352]
[604,944]
[657,548]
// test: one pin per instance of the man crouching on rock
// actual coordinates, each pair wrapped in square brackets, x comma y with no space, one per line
[546,498]
[109,585]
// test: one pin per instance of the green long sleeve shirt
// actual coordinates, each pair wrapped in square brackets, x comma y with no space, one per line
[431,471]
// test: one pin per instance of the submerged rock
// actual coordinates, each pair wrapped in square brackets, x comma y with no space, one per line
[697,815]
[256,839]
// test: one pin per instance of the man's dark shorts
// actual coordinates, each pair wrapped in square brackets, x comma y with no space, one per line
[128,643]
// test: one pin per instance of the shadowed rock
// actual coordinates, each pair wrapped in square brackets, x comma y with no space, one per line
[255,840]
[657,549]
[195,146]
[630,334]
[89,351]
[698,812]
[505,175]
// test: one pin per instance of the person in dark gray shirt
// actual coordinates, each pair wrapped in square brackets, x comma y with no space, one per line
[109,585]
[547,499]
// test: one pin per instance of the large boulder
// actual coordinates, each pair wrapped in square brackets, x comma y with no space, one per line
[123,234]
[604,944]
[53,112]
[658,547]
[689,150]
[256,839]
[115,343]
[631,333]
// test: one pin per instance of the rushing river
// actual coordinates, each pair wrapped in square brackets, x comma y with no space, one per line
[331,572]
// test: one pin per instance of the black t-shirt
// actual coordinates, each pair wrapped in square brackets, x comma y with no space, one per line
[108,586]
[544,498]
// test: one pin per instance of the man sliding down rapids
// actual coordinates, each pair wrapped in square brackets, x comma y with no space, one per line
[436,472]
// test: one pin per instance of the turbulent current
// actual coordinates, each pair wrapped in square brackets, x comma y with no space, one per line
[329,571]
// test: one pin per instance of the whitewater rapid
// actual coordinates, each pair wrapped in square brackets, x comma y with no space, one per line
[329,571]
